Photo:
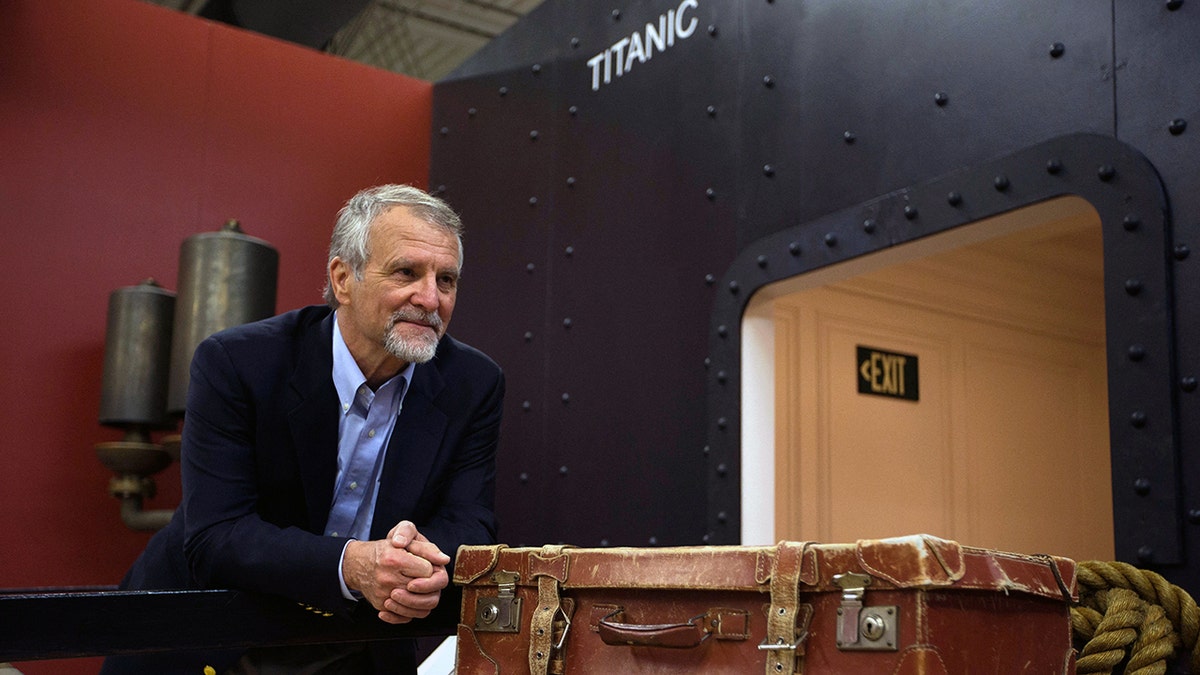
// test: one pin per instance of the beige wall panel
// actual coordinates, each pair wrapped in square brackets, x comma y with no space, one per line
[1007,447]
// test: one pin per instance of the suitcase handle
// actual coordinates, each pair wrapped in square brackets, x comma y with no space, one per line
[670,635]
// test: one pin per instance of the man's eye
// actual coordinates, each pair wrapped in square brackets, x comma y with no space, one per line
[449,281]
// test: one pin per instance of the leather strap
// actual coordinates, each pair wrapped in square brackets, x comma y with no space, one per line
[550,569]
[787,624]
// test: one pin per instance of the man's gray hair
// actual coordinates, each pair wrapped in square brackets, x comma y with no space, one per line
[352,232]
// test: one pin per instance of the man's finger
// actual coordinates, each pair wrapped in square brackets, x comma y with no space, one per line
[404,533]
[429,551]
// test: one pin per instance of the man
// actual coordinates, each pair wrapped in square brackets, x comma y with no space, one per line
[333,455]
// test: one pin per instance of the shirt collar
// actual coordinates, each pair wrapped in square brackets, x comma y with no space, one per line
[348,377]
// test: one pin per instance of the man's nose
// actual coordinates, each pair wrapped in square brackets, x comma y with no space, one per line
[425,294]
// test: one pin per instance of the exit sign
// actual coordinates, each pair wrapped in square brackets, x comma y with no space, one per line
[884,373]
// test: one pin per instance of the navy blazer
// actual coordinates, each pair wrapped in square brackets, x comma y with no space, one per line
[259,461]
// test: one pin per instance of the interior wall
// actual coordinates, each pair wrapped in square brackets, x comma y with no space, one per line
[125,129]
[1011,417]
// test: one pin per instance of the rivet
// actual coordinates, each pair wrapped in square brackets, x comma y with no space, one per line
[710,193]
[616,15]
[910,211]
[1145,554]
[722,517]
[562,470]
[794,248]
[706,538]
[1177,126]
[526,405]
[711,110]
[471,112]
[566,398]
[1106,172]
[1141,486]
[1130,222]
[849,137]
[712,30]
[722,470]
[573,110]
[1133,286]
[567,322]
[524,477]
[1137,352]
[1057,49]
[529,267]
[709,279]
[722,423]
[762,261]
[706,450]
[722,330]
[768,170]
[1194,516]
[569,251]
[768,81]
[503,91]
[1181,251]
[1054,166]
[869,226]
[533,201]
[734,286]
[570,181]
[1138,419]
[1000,182]
[574,43]
[536,68]
[707,363]
[1173,5]
[954,198]
[653,541]
[528,336]
[1187,383]
[440,190]
[831,239]
[721,376]
[941,98]
[533,135]
[444,131]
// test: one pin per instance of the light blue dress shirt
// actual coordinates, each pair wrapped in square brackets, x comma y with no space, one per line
[365,426]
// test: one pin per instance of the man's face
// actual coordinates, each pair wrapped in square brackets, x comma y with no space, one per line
[404,301]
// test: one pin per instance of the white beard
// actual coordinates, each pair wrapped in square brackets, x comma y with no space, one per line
[413,349]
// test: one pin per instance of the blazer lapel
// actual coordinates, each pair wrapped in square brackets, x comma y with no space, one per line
[411,452]
[312,407]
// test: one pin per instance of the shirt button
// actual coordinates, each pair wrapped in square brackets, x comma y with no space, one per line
[345,407]
[335,534]
[371,433]
[353,485]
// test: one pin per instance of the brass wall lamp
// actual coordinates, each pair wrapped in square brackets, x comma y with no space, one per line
[226,278]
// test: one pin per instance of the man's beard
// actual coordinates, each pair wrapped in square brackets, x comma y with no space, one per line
[413,349]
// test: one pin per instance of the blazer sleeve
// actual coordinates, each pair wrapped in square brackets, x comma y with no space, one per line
[226,542]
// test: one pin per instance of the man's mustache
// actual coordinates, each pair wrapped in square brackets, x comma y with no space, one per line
[414,315]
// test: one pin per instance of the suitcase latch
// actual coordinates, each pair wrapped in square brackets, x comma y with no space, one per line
[859,627]
[500,613]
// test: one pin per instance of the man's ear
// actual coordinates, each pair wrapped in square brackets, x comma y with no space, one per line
[340,278]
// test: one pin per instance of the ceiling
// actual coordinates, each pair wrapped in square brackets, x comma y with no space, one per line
[426,39]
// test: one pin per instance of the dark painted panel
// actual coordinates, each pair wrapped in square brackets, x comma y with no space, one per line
[1158,111]
[489,165]
[918,89]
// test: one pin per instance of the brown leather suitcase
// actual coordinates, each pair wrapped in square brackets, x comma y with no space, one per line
[901,606]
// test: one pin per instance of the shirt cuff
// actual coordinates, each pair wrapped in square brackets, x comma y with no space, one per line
[346,592]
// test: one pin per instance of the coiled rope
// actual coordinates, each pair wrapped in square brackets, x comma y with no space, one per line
[1130,615]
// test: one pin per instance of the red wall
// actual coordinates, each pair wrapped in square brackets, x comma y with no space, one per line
[124,129]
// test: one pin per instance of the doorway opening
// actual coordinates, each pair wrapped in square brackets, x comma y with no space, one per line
[1007,443]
